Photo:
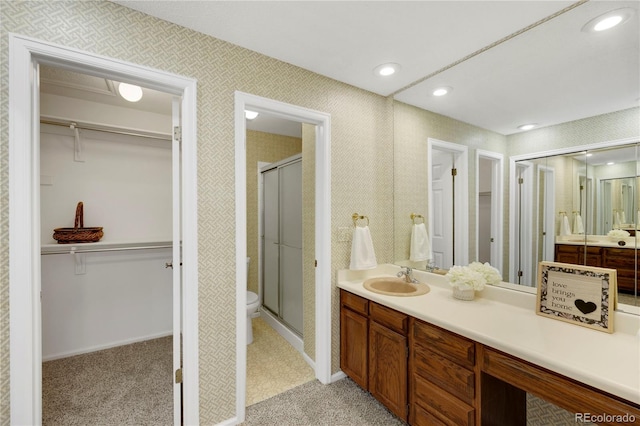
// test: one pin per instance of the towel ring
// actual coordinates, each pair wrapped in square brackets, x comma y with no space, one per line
[414,216]
[357,217]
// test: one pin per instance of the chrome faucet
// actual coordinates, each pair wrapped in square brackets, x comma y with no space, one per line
[408,274]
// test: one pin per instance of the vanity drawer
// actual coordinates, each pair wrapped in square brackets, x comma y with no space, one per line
[443,406]
[390,318]
[445,373]
[353,302]
[450,345]
[422,417]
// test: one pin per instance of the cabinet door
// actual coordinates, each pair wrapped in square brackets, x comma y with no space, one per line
[388,368]
[354,333]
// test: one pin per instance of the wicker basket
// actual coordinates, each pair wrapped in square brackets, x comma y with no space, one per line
[78,234]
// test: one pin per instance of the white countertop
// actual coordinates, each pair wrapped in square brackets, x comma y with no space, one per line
[597,241]
[506,320]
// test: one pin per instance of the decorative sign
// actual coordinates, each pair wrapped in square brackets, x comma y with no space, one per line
[583,295]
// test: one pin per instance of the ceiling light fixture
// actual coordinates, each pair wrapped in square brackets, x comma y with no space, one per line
[441,91]
[250,115]
[527,126]
[608,20]
[130,92]
[610,163]
[386,70]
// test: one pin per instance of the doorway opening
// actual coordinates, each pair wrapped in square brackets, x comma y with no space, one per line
[25,234]
[320,358]
[489,207]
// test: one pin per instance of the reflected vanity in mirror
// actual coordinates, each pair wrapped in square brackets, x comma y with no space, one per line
[559,202]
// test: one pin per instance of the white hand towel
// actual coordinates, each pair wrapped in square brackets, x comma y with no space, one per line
[623,217]
[420,245]
[362,254]
[616,219]
[578,225]
[565,228]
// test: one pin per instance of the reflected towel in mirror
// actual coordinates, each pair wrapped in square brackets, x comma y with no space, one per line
[420,245]
[565,227]
[578,225]
[362,254]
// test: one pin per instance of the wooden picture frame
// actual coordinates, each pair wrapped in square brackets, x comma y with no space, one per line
[583,295]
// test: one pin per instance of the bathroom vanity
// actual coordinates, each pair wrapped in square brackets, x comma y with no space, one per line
[601,252]
[434,360]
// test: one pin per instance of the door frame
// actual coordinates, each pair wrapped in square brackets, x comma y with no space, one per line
[461,214]
[322,121]
[25,54]
[497,204]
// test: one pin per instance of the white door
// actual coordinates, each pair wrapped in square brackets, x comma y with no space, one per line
[442,208]
[176,262]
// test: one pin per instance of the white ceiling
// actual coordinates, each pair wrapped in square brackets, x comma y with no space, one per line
[549,74]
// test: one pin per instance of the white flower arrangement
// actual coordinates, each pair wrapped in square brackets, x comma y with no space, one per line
[476,275]
[618,233]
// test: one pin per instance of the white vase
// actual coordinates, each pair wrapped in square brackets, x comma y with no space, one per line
[464,292]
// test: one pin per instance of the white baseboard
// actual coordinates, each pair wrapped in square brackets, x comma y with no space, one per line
[336,377]
[105,346]
[230,422]
[282,330]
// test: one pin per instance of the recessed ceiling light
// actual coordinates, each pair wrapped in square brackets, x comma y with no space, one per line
[608,20]
[441,91]
[610,163]
[130,92]
[386,70]
[250,115]
[527,126]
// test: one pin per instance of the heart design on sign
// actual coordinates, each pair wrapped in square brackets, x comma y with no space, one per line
[585,307]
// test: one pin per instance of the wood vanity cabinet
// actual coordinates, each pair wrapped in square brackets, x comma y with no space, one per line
[354,337]
[621,259]
[373,350]
[441,376]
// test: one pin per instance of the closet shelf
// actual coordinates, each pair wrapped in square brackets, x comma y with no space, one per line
[104,246]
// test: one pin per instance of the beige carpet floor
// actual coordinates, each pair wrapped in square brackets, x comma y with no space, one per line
[126,385]
[273,365]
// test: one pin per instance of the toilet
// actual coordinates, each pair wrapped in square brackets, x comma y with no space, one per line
[253,303]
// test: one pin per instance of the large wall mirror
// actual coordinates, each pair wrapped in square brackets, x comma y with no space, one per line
[580,207]
[560,196]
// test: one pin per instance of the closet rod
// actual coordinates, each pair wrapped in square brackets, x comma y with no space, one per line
[70,251]
[86,126]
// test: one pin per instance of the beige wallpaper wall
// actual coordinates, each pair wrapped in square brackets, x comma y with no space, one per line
[362,134]
[412,128]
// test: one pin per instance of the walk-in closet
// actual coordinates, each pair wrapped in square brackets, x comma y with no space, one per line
[107,306]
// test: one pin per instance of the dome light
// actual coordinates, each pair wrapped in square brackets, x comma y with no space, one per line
[250,115]
[130,92]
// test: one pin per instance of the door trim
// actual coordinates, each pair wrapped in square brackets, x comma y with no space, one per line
[322,122]
[25,54]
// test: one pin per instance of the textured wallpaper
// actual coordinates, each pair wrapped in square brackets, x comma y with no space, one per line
[362,134]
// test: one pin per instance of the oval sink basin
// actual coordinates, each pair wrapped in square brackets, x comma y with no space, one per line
[395,287]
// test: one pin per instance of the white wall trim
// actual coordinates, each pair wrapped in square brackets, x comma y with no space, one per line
[497,203]
[322,122]
[461,196]
[24,206]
